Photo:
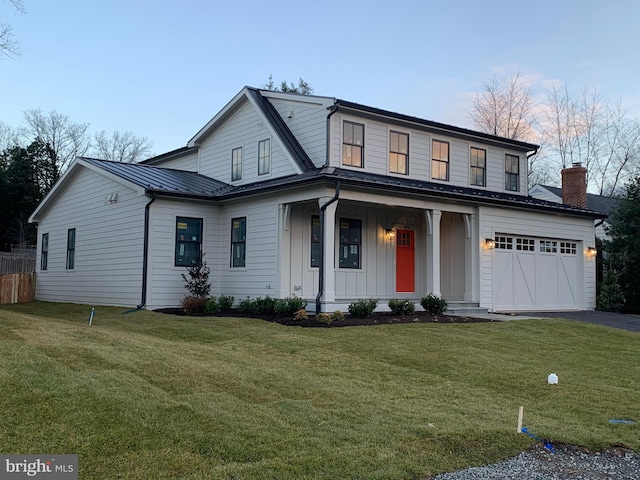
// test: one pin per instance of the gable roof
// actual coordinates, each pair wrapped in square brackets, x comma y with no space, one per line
[599,203]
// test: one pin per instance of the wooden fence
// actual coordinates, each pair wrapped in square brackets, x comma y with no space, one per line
[17,278]
[17,288]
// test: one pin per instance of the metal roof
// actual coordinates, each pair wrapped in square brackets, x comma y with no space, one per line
[599,203]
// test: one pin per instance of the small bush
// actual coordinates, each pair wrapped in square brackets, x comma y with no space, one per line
[264,306]
[212,306]
[338,316]
[225,303]
[193,305]
[325,318]
[433,304]
[246,306]
[285,307]
[363,308]
[301,315]
[401,307]
[610,297]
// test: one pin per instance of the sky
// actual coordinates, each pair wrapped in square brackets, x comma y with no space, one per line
[163,68]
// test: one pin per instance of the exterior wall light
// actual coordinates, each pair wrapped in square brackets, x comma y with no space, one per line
[489,243]
[389,233]
[592,251]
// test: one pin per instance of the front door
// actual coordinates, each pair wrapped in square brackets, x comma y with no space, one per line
[405,261]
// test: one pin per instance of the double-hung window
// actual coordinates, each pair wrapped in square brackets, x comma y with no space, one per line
[71,249]
[238,241]
[439,160]
[264,157]
[350,243]
[44,252]
[236,164]
[478,159]
[511,172]
[399,153]
[353,144]
[188,241]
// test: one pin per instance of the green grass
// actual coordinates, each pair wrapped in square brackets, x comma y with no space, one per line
[146,395]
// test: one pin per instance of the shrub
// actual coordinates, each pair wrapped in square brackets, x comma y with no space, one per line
[363,308]
[264,306]
[610,296]
[325,318]
[401,307]
[433,304]
[225,303]
[197,283]
[246,306]
[338,316]
[212,306]
[193,305]
[285,307]
[301,315]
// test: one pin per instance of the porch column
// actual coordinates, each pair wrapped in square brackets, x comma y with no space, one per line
[472,259]
[328,255]
[433,251]
[283,273]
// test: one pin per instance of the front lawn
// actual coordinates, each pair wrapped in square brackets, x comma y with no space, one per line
[144,395]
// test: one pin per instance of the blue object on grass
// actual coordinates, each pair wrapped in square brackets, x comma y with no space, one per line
[545,442]
[622,421]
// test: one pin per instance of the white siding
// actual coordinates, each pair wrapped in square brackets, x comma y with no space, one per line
[506,221]
[187,162]
[244,128]
[109,243]
[308,122]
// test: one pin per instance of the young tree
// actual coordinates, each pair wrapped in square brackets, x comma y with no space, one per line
[302,87]
[122,147]
[623,251]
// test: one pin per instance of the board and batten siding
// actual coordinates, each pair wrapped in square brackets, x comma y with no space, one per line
[308,122]
[494,221]
[108,247]
[244,128]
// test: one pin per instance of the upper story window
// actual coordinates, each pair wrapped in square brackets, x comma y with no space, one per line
[399,153]
[511,172]
[353,144]
[238,241]
[264,157]
[71,249]
[236,164]
[188,241]
[439,160]
[350,243]
[478,158]
[44,252]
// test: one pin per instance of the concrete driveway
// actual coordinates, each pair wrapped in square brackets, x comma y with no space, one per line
[615,320]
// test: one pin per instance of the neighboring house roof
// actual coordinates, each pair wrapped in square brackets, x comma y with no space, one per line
[599,203]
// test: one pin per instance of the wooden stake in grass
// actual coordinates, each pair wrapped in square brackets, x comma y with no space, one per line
[520,413]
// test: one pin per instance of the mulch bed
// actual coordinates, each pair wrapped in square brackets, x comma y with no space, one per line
[377,318]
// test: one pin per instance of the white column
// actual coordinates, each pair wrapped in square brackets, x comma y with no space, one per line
[433,251]
[329,287]
[283,274]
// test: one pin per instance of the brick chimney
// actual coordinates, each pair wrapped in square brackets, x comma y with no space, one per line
[574,186]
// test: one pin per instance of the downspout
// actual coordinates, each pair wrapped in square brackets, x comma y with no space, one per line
[321,267]
[333,110]
[145,254]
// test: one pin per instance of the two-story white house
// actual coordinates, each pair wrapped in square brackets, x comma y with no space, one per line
[312,196]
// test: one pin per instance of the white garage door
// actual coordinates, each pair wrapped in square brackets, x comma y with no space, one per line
[535,274]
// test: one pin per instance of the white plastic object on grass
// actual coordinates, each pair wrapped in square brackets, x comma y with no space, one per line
[552,379]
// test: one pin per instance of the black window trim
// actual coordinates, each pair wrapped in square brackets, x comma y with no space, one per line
[187,241]
[71,249]
[361,147]
[44,252]
[510,175]
[268,157]
[234,164]
[472,167]
[236,243]
[406,155]
[447,161]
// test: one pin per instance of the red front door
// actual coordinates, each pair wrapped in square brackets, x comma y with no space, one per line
[405,261]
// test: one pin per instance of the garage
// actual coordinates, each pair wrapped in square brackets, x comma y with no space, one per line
[532,273]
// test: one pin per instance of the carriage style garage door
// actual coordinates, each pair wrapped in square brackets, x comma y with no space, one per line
[533,273]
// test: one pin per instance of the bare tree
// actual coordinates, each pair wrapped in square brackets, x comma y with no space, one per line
[8,137]
[505,108]
[67,139]
[8,45]
[122,147]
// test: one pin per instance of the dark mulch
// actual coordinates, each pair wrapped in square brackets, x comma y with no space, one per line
[377,318]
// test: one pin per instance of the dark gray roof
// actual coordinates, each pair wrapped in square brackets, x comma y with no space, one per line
[163,180]
[599,203]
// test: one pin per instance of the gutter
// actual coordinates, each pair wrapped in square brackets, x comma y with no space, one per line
[322,245]
[145,254]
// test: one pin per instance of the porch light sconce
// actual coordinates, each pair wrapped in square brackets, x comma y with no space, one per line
[389,233]
[592,251]
[489,243]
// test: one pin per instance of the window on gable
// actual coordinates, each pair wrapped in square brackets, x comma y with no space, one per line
[188,241]
[478,158]
[353,144]
[238,241]
[71,249]
[44,252]
[236,164]
[399,152]
[315,241]
[350,243]
[264,157]
[439,160]
[512,173]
